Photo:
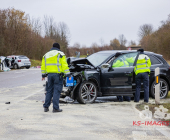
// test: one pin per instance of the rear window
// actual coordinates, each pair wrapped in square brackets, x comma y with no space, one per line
[23,57]
[154,60]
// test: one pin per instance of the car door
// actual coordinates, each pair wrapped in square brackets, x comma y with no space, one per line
[119,78]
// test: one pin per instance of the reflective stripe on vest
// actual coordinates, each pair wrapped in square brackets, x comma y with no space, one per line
[45,63]
[67,71]
[53,64]
[58,62]
[42,71]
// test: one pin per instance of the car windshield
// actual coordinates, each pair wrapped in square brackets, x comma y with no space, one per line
[23,57]
[97,58]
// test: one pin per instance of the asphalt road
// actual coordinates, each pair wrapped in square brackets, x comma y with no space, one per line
[24,119]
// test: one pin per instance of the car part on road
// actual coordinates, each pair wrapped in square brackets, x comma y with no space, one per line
[7,103]
[164,88]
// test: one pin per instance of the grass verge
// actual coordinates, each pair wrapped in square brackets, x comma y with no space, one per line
[35,63]
[168,96]
[152,108]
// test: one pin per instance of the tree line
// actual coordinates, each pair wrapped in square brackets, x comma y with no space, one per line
[157,41]
[33,37]
[21,35]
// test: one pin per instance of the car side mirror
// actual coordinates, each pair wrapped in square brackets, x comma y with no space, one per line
[104,66]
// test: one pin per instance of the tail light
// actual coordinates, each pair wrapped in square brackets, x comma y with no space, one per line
[19,60]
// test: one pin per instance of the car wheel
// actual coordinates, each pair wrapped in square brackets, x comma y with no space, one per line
[87,92]
[164,88]
[28,67]
[16,66]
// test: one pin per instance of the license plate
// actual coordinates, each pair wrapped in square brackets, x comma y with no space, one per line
[69,83]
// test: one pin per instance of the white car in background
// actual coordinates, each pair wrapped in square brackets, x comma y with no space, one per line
[18,61]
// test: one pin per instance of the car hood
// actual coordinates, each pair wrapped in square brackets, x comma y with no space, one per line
[80,64]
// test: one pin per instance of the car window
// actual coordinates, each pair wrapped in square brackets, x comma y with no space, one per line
[125,60]
[23,57]
[154,60]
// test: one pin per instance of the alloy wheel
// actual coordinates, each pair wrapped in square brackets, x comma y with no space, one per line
[88,92]
[163,89]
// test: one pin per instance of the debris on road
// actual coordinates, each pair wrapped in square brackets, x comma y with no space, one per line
[7,103]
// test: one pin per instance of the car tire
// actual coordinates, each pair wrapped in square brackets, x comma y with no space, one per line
[164,88]
[87,92]
[28,67]
[16,66]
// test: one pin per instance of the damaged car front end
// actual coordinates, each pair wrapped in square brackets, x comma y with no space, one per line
[111,73]
[86,74]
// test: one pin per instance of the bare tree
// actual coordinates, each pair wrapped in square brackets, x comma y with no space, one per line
[122,40]
[132,43]
[76,45]
[145,30]
[36,25]
[50,27]
[102,42]
[64,33]
[115,43]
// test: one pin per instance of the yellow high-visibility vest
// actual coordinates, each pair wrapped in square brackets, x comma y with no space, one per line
[54,61]
[143,64]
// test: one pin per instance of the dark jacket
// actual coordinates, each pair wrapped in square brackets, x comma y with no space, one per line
[54,48]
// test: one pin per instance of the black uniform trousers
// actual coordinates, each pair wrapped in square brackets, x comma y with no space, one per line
[139,78]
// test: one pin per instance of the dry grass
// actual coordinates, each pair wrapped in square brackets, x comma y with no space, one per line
[140,107]
[168,62]
[168,96]
[35,63]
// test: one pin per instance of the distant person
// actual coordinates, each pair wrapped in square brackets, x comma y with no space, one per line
[12,62]
[7,62]
[142,70]
[1,65]
[55,65]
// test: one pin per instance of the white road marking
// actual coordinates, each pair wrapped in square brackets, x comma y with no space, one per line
[164,132]
[138,134]
[22,99]
[18,76]
[18,72]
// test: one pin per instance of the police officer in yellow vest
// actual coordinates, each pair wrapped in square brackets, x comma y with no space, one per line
[142,70]
[55,65]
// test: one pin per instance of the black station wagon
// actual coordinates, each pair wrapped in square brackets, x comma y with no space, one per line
[95,75]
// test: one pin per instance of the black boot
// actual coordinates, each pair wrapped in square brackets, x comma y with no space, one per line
[57,110]
[46,109]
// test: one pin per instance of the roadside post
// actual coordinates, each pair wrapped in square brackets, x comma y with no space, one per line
[157,86]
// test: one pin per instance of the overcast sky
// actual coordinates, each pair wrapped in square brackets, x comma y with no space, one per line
[91,21]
